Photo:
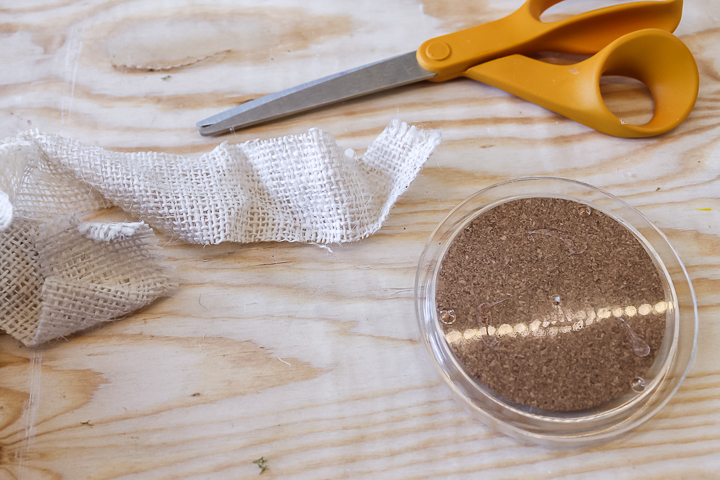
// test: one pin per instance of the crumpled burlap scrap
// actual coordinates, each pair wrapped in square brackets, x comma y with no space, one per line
[60,275]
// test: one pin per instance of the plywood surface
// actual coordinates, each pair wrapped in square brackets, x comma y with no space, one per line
[307,357]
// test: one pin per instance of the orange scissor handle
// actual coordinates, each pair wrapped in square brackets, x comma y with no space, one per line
[523,32]
[655,57]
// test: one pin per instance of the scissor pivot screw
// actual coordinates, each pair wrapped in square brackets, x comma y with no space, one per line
[438,51]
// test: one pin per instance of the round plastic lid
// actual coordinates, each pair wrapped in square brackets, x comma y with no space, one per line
[463,356]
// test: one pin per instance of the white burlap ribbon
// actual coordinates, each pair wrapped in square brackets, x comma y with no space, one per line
[59,275]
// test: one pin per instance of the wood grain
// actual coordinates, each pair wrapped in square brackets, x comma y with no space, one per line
[306,357]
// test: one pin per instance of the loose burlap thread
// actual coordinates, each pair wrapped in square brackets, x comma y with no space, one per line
[60,275]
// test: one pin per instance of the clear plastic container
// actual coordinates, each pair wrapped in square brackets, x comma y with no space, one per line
[547,427]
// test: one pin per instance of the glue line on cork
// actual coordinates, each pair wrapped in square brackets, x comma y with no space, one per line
[640,346]
[484,312]
[576,245]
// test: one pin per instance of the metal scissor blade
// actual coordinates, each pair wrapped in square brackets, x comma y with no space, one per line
[382,75]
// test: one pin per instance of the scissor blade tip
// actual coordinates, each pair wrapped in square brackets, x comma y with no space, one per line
[208,130]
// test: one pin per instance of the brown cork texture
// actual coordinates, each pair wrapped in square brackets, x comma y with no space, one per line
[551,304]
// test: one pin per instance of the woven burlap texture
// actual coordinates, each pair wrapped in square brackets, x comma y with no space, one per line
[60,275]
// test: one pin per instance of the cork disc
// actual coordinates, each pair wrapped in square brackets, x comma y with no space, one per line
[551,304]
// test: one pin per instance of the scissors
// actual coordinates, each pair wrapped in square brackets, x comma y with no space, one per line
[631,40]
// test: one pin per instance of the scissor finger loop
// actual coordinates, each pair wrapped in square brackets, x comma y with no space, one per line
[655,57]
